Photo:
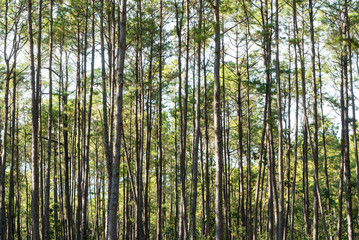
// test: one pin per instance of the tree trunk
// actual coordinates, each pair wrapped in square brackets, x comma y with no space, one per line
[49,132]
[281,208]
[67,172]
[295,32]
[182,124]
[206,139]
[4,133]
[305,140]
[353,107]
[11,210]
[217,128]
[197,132]
[345,125]
[78,136]
[104,98]
[248,151]
[148,146]
[84,159]
[315,116]
[160,149]
[35,98]
[113,201]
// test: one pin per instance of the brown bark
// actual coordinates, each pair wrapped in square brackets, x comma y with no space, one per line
[281,209]
[160,149]
[35,98]
[345,119]
[49,132]
[295,32]
[315,116]
[4,131]
[192,226]
[206,139]
[218,128]
[104,97]
[148,146]
[113,201]
[182,125]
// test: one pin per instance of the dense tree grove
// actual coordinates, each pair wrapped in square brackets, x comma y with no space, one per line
[169,119]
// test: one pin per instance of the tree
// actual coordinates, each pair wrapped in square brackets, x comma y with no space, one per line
[197,131]
[117,107]
[113,201]
[217,127]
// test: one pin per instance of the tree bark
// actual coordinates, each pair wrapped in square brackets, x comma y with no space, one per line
[35,98]
[206,139]
[295,32]
[182,124]
[4,132]
[49,131]
[281,208]
[315,116]
[217,127]
[104,98]
[345,126]
[160,149]
[197,131]
[113,201]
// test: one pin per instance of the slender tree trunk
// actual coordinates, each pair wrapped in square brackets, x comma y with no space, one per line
[12,210]
[184,127]
[262,158]
[18,187]
[49,132]
[340,200]
[56,206]
[353,107]
[113,201]
[148,155]
[160,149]
[148,146]
[104,98]
[217,128]
[27,202]
[225,142]
[248,151]
[272,191]
[295,32]
[84,136]
[345,126]
[182,124]
[315,116]
[206,139]
[176,177]
[305,139]
[38,79]
[281,208]
[67,171]
[288,142]
[197,132]
[4,132]
[78,136]
[86,164]
[203,227]
[139,124]
[35,95]
[14,129]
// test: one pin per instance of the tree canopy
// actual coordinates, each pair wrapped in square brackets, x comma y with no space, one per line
[167,119]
